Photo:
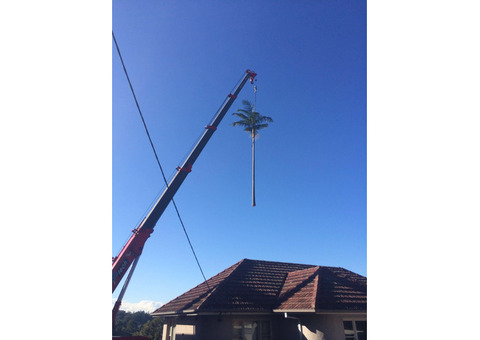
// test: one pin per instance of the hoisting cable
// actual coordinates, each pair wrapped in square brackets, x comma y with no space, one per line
[158,161]
[255,97]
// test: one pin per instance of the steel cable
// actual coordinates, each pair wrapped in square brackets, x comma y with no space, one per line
[158,161]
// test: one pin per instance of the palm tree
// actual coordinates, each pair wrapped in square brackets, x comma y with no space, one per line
[251,121]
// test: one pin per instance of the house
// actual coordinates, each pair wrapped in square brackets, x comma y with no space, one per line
[264,300]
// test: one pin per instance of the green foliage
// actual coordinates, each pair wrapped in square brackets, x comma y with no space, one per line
[152,329]
[250,120]
[138,323]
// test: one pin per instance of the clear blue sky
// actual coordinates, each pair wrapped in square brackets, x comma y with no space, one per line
[183,58]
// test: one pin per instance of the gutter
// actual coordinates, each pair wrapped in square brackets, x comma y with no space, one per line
[294,311]
[194,312]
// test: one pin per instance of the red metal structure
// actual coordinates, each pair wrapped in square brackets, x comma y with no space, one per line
[134,246]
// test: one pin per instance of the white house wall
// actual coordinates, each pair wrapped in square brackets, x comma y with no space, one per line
[313,327]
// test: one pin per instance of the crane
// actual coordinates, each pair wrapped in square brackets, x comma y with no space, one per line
[131,251]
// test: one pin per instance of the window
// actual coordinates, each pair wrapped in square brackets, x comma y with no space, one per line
[355,330]
[251,330]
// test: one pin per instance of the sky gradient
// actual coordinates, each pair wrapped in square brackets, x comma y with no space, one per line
[183,58]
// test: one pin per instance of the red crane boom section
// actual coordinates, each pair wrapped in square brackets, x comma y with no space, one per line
[134,246]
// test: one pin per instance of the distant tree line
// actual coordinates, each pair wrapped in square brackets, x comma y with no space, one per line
[138,323]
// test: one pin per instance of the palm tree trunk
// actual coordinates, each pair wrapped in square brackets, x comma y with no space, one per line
[253,168]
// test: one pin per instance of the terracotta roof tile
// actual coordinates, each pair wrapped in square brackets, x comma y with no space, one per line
[252,285]
[197,295]
[299,290]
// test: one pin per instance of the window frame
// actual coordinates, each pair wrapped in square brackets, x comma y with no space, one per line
[259,327]
[354,326]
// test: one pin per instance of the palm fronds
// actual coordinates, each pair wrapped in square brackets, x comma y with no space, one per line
[251,121]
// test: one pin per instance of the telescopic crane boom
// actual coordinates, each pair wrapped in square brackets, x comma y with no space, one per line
[134,246]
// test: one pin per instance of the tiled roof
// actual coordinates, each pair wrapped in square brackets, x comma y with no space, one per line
[299,290]
[255,286]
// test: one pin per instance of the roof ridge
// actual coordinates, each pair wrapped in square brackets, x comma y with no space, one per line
[318,288]
[287,263]
[300,264]
[287,294]
[315,287]
[202,285]
[261,285]
[346,283]
[222,282]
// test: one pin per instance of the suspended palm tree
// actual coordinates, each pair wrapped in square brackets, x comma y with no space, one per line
[251,122]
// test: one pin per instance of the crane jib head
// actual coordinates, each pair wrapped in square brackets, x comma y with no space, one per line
[252,75]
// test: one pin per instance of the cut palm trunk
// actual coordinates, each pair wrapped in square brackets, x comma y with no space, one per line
[253,170]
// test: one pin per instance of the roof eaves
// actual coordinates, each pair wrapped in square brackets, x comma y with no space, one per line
[287,310]
[341,311]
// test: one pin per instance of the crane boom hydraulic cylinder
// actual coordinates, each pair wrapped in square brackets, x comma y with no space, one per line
[134,246]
